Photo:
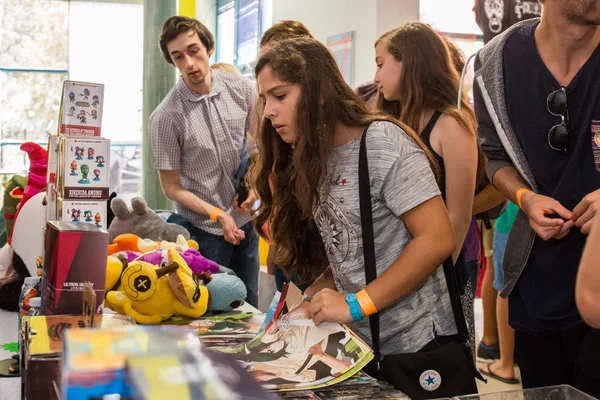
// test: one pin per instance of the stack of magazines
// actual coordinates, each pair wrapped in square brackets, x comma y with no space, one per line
[290,353]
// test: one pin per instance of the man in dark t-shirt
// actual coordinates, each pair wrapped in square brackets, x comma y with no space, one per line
[496,16]
[537,99]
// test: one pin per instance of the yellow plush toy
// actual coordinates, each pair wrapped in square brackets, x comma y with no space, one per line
[151,294]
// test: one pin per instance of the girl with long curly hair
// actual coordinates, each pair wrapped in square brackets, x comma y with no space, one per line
[307,176]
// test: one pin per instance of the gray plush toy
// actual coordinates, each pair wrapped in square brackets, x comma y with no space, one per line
[142,221]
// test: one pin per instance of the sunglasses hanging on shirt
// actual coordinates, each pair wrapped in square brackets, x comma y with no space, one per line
[558,136]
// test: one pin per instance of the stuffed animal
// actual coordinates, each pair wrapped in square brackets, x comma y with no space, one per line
[131,242]
[197,263]
[27,247]
[36,178]
[13,193]
[151,294]
[142,221]
[227,291]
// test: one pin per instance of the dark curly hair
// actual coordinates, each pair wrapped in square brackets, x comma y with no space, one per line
[286,179]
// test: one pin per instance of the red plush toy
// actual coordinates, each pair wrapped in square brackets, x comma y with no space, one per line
[36,179]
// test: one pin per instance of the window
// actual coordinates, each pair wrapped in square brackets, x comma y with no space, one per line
[456,21]
[226,32]
[44,42]
[240,25]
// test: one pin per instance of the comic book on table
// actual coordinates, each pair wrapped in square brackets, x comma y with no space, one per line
[291,353]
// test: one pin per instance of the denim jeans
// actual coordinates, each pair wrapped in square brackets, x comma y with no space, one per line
[242,259]
[281,279]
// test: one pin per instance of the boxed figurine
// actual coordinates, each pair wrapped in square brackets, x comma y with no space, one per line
[43,348]
[93,212]
[81,109]
[75,253]
[84,166]
[94,363]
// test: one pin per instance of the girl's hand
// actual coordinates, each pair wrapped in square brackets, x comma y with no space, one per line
[330,306]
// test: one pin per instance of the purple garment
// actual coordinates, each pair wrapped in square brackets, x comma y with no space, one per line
[199,263]
[192,257]
[471,243]
[154,258]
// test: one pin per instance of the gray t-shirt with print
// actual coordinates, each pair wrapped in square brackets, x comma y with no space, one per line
[401,179]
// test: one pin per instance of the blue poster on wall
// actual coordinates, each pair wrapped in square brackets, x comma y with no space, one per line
[342,47]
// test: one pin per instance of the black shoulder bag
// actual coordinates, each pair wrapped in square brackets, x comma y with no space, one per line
[438,370]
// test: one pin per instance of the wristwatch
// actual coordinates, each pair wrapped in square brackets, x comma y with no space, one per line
[354,307]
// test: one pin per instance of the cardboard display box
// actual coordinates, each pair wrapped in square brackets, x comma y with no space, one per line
[75,253]
[43,349]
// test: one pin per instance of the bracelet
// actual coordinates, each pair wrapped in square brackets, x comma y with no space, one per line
[520,193]
[366,303]
[354,307]
[215,213]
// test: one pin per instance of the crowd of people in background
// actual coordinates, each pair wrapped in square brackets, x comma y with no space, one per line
[518,166]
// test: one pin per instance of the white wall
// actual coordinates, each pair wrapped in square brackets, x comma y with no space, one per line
[329,17]
[367,18]
[393,13]
[206,12]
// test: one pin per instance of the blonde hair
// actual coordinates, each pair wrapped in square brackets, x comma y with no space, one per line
[226,67]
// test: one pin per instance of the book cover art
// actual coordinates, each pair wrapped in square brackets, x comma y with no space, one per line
[81,108]
[294,354]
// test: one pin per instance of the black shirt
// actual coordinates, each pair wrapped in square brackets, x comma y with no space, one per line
[543,300]
[494,17]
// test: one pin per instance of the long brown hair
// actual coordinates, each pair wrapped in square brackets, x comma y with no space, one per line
[429,80]
[287,180]
[283,30]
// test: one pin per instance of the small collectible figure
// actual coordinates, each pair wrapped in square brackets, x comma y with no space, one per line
[85,171]
[75,213]
[73,168]
[91,152]
[79,152]
[98,220]
[100,161]
[87,214]
[95,100]
[81,117]
[71,97]
[96,174]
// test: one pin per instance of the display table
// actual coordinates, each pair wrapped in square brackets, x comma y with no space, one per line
[10,388]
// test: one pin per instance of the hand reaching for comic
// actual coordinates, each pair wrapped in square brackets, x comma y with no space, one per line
[330,306]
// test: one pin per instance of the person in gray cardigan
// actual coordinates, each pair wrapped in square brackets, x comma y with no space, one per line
[541,156]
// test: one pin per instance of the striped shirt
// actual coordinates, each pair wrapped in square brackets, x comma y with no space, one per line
[202,136]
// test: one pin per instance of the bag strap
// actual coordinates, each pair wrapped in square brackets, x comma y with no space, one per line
[366,221]
[366,216]
[244,161]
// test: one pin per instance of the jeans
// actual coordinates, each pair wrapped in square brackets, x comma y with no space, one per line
[500,239]
[242,259]
[280,279]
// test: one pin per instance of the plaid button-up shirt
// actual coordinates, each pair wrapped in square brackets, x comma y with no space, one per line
[202,137]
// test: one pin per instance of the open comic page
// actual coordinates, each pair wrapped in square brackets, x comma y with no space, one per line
[291,353]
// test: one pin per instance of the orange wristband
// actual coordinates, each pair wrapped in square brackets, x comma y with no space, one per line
[215,213]
[366,303]
[520,193]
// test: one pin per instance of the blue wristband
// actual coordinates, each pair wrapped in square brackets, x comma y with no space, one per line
[354,307]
